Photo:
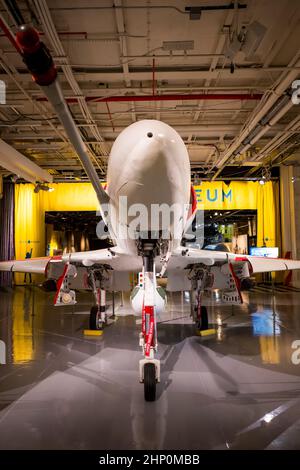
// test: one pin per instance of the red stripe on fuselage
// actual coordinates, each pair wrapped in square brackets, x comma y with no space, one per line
[193,203]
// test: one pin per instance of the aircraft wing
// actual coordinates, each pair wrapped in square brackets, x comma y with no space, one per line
[184,257]
[32,265]
[55,264]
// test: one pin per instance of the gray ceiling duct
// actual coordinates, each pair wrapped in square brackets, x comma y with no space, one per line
[19,165]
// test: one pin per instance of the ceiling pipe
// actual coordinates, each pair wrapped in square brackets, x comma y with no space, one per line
[40,63]
[169,97]
[268,123]
[277,160]
[15,77]
[9,35]
[279,139]
[187,11]
[51,33]
[60,33]
[258,132]
[14,11]
[261,116]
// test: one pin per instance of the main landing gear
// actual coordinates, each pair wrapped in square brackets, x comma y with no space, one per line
[98,316]
[199,314]
[149,366]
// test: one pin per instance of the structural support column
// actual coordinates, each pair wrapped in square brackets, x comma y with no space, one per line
[296,190]
[7,228]
[288,202]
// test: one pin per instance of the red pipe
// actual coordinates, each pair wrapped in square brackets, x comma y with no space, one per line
[60,33]
[170,97]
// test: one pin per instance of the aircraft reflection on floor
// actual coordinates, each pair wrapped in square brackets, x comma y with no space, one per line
[23,326]
[59,389]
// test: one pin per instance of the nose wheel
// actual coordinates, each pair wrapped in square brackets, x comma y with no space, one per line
[149,382]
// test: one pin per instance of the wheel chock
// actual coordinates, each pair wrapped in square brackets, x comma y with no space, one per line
[93,332]
[210,332]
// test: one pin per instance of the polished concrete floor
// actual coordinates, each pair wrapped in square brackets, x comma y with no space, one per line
[236,390]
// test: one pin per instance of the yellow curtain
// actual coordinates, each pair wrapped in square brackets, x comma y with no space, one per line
[29,221]
[219,195]
[266,214]
[30,208]
[69,197]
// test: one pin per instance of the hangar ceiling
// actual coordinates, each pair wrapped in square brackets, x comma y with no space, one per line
[119,61]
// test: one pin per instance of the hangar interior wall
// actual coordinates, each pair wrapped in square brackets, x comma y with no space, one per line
[30,208]
[290,216]
[241,195]
[30,211]
[7,245]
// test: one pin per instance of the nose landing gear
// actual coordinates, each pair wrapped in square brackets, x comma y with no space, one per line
[149,366]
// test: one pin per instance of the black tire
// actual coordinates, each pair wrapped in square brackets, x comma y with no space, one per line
[203,323]
[149,382]
[94,322]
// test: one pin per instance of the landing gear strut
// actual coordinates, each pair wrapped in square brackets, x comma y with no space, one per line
[149,366]
[199,312]
[202,319]
[95,321]
[97,314]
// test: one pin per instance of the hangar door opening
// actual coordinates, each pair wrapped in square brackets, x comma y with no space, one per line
[70,231]
[234,230]
[224,230]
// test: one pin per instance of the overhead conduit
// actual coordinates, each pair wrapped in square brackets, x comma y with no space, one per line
[277,140]
[273,116]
